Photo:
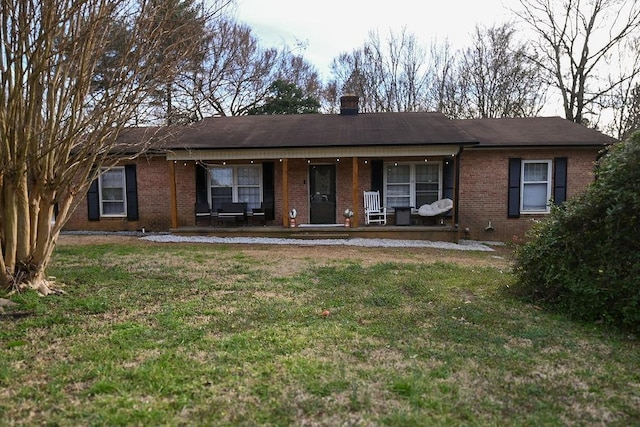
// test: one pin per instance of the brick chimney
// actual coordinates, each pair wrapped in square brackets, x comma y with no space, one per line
[349,105]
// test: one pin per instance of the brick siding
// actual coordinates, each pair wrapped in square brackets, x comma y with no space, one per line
[484,189]
[483,192]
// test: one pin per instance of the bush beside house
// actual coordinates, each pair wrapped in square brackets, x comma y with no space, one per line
[584,260]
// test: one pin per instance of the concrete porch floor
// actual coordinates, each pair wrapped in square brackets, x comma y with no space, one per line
[442,233]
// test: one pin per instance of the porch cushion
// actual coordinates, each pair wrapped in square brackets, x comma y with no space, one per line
[436,208]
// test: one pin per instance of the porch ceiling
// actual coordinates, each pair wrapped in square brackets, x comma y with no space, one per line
[314,153]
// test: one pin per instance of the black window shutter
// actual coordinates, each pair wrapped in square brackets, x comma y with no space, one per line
[377,177]
[560,180]
[93,201]
[268,189]
[513,200]
[132,192]
[201,184]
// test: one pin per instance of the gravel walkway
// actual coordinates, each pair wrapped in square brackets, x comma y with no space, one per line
[465,245]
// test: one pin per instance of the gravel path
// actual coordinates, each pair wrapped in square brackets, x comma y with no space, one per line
[465,245]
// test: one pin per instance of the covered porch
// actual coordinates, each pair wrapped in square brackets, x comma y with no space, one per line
[319,184]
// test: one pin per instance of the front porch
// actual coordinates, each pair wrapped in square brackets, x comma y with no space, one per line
[440,233]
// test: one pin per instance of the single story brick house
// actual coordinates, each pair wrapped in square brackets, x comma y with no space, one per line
[500,173]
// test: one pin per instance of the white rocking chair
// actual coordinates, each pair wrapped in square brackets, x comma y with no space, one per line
[373,212]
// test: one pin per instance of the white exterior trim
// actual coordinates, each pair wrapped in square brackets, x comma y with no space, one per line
[312,153]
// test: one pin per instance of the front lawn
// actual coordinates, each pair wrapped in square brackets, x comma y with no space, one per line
[186,334]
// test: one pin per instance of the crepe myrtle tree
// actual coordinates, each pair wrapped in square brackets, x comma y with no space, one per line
[58,128]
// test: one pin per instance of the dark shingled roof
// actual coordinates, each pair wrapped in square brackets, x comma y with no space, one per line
[320,130]
[532,131]
[368,129]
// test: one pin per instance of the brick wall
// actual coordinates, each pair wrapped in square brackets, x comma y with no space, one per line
[185,192]
[484,189]
[482,192]
[153,202]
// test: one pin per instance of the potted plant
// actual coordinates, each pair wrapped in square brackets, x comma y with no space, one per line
[348,214]
[293,213]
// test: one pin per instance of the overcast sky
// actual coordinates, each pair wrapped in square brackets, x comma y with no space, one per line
[331,27]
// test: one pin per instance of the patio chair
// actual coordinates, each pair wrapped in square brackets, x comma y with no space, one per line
[437,209]
[373,211]
[202,211]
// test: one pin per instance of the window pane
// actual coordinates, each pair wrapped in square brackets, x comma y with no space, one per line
[248,176]
[113,178]
[398,190]
[250,196]
[398,174]
[221,177]
[112,194]
[427,183]
[398,195]
[220,195]
[112,191]
[428,173]
[113,208]
[426,193]
[535,171]
[534,197]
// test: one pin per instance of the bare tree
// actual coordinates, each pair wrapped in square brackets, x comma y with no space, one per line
[622,104]
[498,77]
[236,73]
[577,41]
[444,91]
[388,76]
[59,126]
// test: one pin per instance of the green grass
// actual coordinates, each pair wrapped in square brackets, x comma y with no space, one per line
[152,334]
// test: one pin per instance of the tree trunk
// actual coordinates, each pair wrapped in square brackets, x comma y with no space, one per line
[10,227]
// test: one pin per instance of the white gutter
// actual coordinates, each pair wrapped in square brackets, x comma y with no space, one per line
[313,152]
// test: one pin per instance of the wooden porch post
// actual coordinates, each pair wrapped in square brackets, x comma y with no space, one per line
[355,192]
[285,192]
[173,194]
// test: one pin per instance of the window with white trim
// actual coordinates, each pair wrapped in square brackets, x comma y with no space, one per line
[412,184]
[113,190]
[535,187]
[237,184]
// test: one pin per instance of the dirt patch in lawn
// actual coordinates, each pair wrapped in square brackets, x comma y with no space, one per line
[288,256]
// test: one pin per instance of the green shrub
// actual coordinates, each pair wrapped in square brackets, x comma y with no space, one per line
[584,259]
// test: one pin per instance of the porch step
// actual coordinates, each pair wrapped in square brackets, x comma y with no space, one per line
[311,236]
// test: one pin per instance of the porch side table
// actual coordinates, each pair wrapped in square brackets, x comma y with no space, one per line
[403,215]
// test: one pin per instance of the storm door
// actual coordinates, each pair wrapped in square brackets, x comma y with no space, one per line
[322,194]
